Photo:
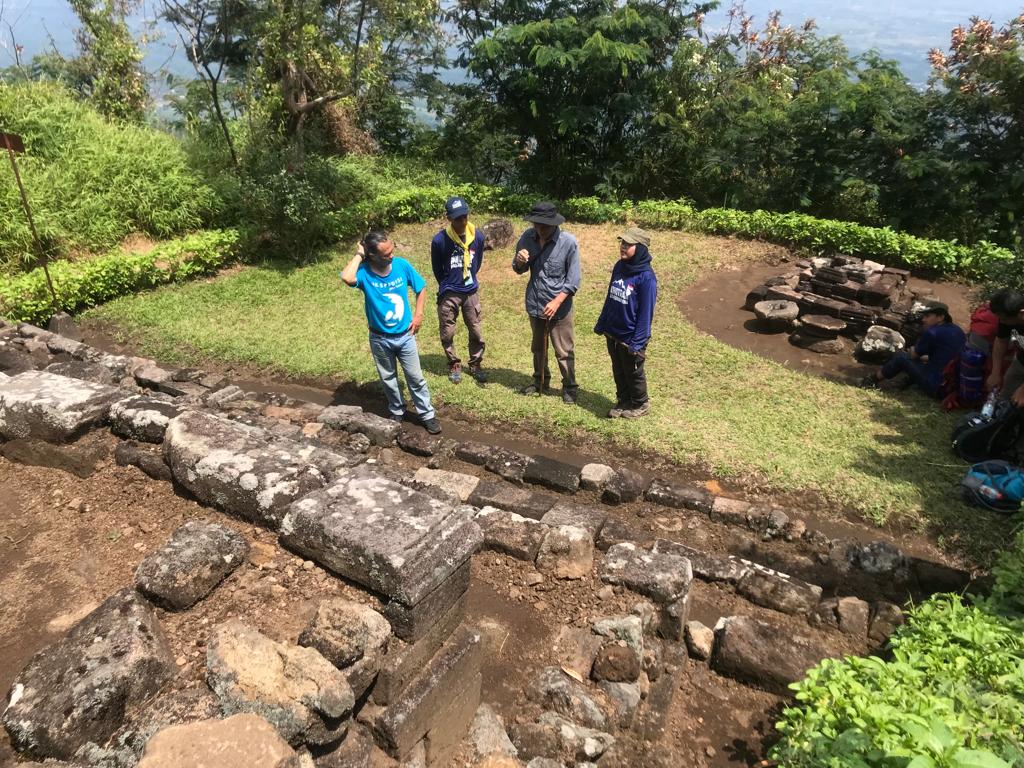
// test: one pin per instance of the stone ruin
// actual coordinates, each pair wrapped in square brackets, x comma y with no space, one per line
[396,681]
[823,300]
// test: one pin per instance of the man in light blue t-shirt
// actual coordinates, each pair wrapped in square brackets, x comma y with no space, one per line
[385,282]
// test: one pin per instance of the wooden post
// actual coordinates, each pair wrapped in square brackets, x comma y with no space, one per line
[13,143]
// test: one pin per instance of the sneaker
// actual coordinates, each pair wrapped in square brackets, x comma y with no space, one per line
[868,382]
[616,412]
[636,413]
[569,398]
[479,375]
[433,426]
[530,389]
[455,374]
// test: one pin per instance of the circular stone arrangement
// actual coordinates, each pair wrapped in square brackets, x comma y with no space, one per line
[776,314]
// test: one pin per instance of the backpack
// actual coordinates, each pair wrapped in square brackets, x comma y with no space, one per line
[976,438]
[995,485]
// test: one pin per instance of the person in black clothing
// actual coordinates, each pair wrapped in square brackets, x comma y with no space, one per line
[1008,306]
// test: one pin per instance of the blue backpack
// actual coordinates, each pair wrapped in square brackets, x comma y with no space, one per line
[995,485]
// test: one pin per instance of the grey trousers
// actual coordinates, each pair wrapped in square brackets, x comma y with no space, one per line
[448,313]
[563,341]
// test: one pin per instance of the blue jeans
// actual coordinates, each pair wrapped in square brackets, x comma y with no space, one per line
[918,372]
[388,352]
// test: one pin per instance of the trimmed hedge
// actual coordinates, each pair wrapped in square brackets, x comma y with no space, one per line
[794,229]
[84,284]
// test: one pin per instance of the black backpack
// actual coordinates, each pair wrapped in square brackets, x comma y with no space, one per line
[977,439]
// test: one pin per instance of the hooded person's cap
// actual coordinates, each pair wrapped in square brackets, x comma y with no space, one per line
[456,207]
[545,213]
[635,235]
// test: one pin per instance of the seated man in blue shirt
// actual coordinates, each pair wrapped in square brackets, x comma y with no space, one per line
[940,342]
[385,282]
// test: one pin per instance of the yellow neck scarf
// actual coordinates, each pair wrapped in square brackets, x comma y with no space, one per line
[464,245]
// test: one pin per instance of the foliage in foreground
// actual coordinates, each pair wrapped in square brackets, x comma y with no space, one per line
[90,182]
[85,284]
[951,696]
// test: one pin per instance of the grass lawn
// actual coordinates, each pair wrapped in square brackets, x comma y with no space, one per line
[737,414]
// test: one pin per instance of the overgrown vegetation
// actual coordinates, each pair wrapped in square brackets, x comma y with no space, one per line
[950,696]
[90,182]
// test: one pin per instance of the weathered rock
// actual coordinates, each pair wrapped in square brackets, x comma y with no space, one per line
[411,622]
[624,698]
[224,395]
[659,575]
[196,558]
[151,376]
[419,442]
[487,734]
[63,324]
[299,691]
[356,751]
[508,465]
[80,369]
[616,664]
[672,618]
[680,496]
[730,511]
[886,619]
[14,361]
[490,493]
[576,741]
[352,637]
[77,690]
[615,531]
[575,649]
[131,454]
[761,653]
[936,577]
[237,468]
[457,484]
[776,313]
[352,418]
[854,615]
[383,535]
[553,474]
[700,640]
[589,518]
[779,591]
[880,558]
[239,741]
[817,344]
[567,552]
[706,565]
[595,477]
[142,417]
[454,671]
[556,690]
[535,741]
[512,534]
[627,629]
[473,453]
[49,407]
[498,233]
[625,487]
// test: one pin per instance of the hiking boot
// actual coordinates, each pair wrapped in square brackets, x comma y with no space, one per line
[433,426]
[616,412]
[530,389]
[569,398]
[479,375]
[397,417]
[636,413]
[455,374]
[868,382]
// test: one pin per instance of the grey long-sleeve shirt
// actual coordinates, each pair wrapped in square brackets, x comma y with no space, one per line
[554,269]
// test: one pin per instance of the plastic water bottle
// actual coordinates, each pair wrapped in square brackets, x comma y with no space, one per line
[989,407]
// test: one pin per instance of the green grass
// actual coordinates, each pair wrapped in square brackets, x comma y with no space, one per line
[736,414]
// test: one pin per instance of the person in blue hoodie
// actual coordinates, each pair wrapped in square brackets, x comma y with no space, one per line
[625,322]
[456,253]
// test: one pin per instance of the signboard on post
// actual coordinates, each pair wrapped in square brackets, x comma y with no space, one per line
[12,141]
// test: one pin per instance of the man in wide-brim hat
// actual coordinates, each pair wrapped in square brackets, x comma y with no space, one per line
[552,258]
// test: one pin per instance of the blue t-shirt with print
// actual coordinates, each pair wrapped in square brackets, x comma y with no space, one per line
[386,299]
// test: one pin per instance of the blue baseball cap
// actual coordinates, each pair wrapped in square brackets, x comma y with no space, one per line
[455,207]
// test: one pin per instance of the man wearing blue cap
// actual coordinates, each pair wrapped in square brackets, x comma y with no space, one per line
[456,253]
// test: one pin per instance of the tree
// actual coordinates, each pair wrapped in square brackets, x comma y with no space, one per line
[110,60]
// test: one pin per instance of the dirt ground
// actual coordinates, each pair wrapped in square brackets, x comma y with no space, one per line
[71,538]
[715,305]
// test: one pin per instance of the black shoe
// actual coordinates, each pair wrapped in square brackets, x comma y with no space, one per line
[569,398]
[868,382]
[398,418]
[433,426]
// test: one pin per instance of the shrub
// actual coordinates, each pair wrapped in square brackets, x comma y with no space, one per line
[83,284]
[90,182]
[951,696]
